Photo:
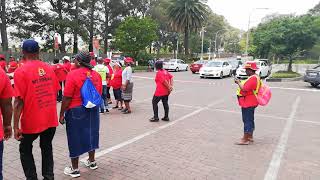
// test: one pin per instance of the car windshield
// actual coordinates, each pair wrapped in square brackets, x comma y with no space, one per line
[214,64]
[199,62]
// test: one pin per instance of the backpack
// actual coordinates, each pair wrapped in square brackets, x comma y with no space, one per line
[263,93]
[90,96]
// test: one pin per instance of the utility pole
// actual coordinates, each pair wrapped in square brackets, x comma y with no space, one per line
[210,51]
[202,36]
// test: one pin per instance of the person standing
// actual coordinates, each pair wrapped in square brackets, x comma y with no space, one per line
[67,63]
[103,71]
[6,94]
[127,85]
[35,110]
[13,65]
[61,73]
[248,101]
[116,82]
[93,61]
[164,82]
[109,74]
[3,63]
[82,124]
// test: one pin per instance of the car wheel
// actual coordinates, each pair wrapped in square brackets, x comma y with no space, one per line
[201,77]
[187,68]
[193,72]
[314,85]
[177,69]
[221,75]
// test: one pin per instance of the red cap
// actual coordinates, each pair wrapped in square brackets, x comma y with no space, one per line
[2,56]
[107,60]
[128,60]
[251,65]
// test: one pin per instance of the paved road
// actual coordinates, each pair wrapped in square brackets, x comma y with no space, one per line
[199,141]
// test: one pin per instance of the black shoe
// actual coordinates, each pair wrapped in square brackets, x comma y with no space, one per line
[116,107]
[154,119]
[165,119]
[127,112]
[124,110]
[102,112]
[107,111]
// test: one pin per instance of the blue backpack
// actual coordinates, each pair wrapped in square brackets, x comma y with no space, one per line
[90,96]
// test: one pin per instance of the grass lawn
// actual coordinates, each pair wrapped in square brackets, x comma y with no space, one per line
[285,74]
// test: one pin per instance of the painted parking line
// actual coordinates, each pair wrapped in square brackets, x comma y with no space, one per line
[309,122]
[296,89]
[154,131]
[149,99]
[181,81]
[275,163]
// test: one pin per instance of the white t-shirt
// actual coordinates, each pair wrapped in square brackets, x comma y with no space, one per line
[127,75]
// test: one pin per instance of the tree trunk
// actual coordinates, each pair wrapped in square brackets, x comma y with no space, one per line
[186,40]
[61,27]
[290,64]
[106,24]
[4,35]
[91,25]
[76,29]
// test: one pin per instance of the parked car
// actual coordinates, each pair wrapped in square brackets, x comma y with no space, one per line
[175,65]
[312,76]
[216,69]
[264,70]
[195,67]
[235,65]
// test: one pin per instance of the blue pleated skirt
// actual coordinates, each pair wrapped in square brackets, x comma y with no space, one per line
[82,126]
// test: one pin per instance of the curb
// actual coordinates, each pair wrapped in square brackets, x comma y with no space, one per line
[284,79]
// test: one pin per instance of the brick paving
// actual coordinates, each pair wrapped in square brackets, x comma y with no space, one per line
[199,146]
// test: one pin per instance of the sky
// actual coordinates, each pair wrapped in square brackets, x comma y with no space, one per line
[237,11]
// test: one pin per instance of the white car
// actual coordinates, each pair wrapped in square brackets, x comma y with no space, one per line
[175,65]
[264,70]
[216,69]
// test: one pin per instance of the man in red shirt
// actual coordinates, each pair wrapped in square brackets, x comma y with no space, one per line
[66,63]
[109,74]
[6,94]
[248,101]
[61,73]
[164,83]
[93,61]
[3,63]
[13,65]
[35,110]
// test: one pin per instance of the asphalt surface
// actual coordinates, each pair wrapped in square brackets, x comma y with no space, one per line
[198,142]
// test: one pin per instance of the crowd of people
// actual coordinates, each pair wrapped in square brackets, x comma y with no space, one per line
[37,86]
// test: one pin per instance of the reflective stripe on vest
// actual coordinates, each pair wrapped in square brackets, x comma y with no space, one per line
[255,92]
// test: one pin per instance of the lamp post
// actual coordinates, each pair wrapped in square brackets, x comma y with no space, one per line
[215,41]
[202,36]
[249,22]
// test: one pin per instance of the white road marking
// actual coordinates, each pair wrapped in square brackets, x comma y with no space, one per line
[156,130]
[296,89]
[186,106]
[311,122]
[182,81]
[275,163]
[149,99]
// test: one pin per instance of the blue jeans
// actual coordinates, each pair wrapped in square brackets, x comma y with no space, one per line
[104,104]
[248,119]
[1,157]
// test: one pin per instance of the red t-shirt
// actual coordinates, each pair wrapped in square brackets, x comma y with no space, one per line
[73,67]
[93,62]
[13,65]
[6,91]
[110,74]
[74,82]
[37,85]
[67,66]
[60,71]
[249,99]
[3,65]
[116,82]
[162,75]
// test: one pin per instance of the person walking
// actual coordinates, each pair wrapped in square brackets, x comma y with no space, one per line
[248,101]
[61,73]
[164,82]
[35,110]
[127,85]
[107,62]
[116,82]
[82,124]
[103,71]
[6,94]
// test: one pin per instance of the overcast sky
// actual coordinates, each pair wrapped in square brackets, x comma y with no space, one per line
[237,11]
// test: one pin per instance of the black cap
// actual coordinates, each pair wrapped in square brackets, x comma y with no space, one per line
[84,59]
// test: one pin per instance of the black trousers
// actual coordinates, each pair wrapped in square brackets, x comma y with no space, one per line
[26,155]
[155,101]
[59,96]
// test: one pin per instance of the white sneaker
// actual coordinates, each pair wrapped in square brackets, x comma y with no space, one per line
[91,165]
[74,173]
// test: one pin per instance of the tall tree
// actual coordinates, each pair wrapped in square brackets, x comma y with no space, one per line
[76,28]
[4,35]
[187,15]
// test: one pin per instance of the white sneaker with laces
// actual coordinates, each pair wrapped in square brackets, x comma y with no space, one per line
[74,173]
[91,165]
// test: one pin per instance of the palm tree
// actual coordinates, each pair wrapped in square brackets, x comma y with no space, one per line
[187,15]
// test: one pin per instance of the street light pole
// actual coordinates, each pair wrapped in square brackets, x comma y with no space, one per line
[249,22]
[202,34]
[210,50]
